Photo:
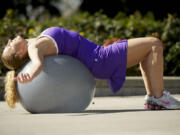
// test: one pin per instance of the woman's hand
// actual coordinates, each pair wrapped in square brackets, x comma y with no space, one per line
[33,72]
[23,78]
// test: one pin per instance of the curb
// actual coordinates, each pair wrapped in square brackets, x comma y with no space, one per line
[132,86]
[135,86]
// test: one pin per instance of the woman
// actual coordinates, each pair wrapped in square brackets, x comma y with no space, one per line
[108,62]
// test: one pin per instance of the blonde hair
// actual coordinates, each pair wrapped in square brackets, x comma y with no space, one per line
[13,62]
[11,95]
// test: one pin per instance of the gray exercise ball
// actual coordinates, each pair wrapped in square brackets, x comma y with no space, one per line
[65,85]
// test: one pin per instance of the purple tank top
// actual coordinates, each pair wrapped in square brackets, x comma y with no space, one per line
[104,62]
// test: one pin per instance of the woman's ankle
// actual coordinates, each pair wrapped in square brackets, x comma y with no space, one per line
[158,95]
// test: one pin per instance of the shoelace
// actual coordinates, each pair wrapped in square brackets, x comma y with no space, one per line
[168,96]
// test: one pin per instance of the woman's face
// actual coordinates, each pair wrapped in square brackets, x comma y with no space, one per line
[17,45]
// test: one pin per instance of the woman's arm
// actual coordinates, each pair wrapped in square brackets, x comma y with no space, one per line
[37,58]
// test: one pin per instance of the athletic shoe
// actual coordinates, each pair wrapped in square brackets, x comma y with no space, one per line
[150,104]
[164,102]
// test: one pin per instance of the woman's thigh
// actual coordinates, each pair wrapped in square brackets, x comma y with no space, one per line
[138,49]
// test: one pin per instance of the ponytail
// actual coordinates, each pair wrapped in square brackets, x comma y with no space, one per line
[11,96]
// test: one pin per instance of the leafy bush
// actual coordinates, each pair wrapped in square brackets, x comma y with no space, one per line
[171,36]
[99,27]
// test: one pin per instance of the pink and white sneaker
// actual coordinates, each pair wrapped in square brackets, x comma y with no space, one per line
[164,102]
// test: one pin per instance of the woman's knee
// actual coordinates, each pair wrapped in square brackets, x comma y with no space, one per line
[157,44]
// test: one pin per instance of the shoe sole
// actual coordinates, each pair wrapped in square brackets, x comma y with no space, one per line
[153,107]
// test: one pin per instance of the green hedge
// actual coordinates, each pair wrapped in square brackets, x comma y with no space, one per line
[99,27]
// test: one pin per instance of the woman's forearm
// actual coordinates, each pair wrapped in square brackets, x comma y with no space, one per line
[35,70]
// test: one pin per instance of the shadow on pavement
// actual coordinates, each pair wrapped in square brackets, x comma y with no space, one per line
[92,112]
[95,112]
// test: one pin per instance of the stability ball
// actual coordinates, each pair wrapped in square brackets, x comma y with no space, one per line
[65,85]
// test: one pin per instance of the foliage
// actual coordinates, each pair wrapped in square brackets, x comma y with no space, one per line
[171,36]
[99,27]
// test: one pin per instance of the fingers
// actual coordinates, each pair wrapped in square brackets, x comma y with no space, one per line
[23,78]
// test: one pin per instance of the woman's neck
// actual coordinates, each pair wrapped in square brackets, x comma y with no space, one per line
[30,41]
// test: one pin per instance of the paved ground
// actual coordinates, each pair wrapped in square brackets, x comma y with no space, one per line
[107,116]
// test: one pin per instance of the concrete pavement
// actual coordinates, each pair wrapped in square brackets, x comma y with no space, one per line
[104,116]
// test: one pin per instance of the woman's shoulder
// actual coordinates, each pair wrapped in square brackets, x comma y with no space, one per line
[43,44]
